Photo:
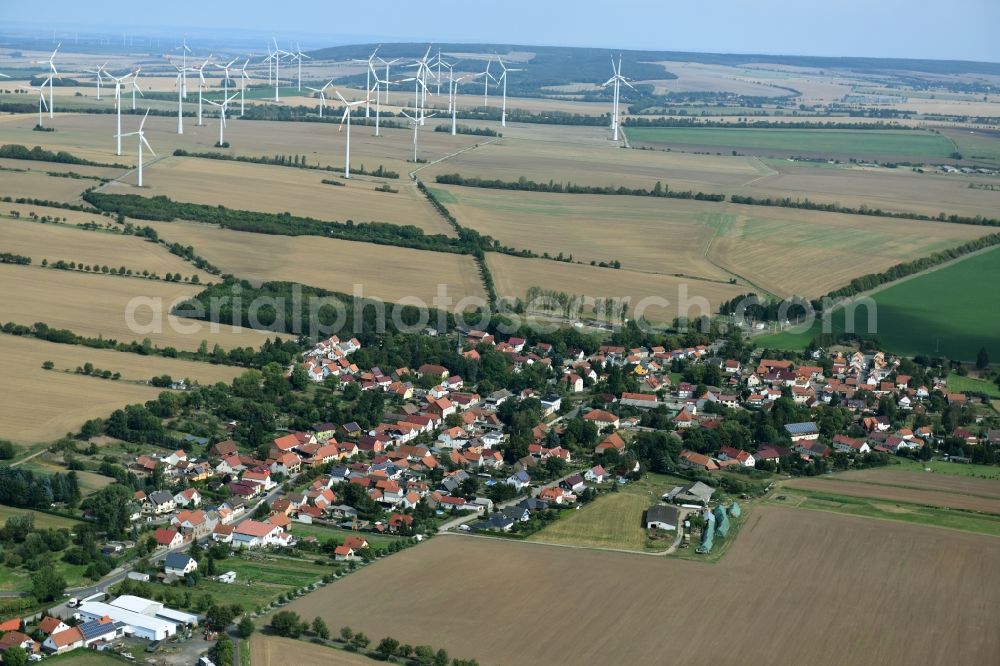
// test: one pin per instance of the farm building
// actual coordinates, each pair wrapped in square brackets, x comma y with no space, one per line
[140,617]
[662,517]
[693,493]
[802,431]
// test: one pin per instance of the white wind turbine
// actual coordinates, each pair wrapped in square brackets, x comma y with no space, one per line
[202,84]
[181,75]
[299,55]
[52,73]
[119,80]
[322,95]
[222,118]
[453,98]
[244,77]
[486,83]
[423,69]
[417,84]
[416,129]
[225,69]
[183,48]
[503,80]
[387,63]
[135,86]
[141,141]
[368,77]
[98,72]
[347,117]
[617,79]
[41,103]
[277,56]
[378,98]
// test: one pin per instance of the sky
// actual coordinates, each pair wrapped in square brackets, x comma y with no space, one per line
[959,29]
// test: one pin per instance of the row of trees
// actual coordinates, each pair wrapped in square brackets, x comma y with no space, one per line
[807,204]
[12,258]
[524,184]
[298,161]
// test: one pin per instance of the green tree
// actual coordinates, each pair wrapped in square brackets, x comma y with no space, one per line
[360,641]
[387,648]
[346,634]
[319,628]
[287,623]
[245,628]
[982,359]
[15,656]
[47,584]
[112,508]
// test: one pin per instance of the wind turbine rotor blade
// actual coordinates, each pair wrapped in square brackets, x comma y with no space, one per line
[143,120]
[142,137]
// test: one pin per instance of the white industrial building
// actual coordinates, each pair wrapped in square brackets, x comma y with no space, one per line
[143,618]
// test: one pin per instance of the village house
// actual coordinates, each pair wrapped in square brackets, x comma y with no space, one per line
[179,564]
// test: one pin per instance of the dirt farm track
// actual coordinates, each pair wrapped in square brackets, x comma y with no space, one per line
[795,588]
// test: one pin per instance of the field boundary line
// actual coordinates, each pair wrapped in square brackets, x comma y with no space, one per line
[908,487]
[413,173]
[663,553]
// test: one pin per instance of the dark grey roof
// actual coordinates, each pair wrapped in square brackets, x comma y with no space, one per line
[661,513]
[160,497]
[95,629]
[177,560]
[801,428]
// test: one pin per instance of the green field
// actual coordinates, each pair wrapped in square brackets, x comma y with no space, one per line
[322,533]
[951,312]
[260,580]
[885,510]
[960,384]
[614,520]
[977,147]
[946,467]
[42,520]
[856,143]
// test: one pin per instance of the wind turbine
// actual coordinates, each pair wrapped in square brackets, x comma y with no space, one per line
[142,141]
[347,117]
[183,48]
[617,80]
[322,96]
[135,86]
[118,107]
[222,117]
[98,72]
[53,73]
[277,55]
[368,76]
[181,75]
[453,98]
[225,81]
[486,83]
[244,77]
[201,86]
[299,55]
[416,128]
[387,63]
[417,84]
[41,103]
[378,98]
[503,80]
[422,71]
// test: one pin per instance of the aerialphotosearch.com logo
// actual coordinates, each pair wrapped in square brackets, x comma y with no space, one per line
[542,312]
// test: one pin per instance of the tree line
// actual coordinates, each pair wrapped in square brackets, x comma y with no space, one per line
[465,129]
[764,124]
[24,488]
[13,258]
[16,151]
[278,350]
[297,161]
[526,185]
[806,204]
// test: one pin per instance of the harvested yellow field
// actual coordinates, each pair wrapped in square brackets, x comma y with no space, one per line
[93,305]
[59,167]
[276,651]
[59,241]
[38,185]
[133,367]
[845,585]
[275,189]
[383,271]
[666,296]
[805,253]
[567,155]
[41,405]
[645,234]
[92,136]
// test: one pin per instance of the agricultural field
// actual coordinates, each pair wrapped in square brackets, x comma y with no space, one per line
[614,520]
[94,305]
[514,276]
[892,145]
[42,520]
[91,136]
[262,579]
[39,185]
[277,189]
[819,251]
[981,146]
[944,477]
[276,651]
[806,588]
[961,384]
[842,485]
[941,312]
[88,172]
[384,271]
[93,248]
[41,405]
[323,533]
